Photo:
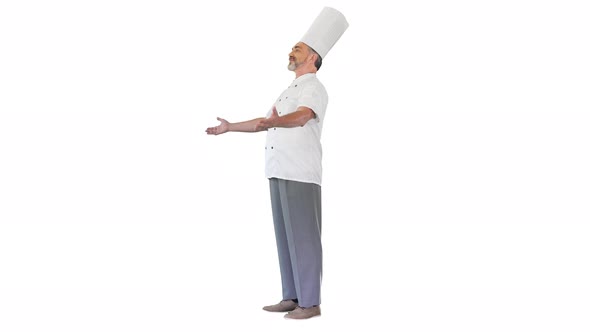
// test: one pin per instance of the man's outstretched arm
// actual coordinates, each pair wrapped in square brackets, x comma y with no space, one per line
[249,126]
[296,119]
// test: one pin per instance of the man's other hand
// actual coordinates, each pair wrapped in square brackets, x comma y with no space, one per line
[269,122]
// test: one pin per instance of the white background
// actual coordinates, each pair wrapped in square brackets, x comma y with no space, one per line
[456,155]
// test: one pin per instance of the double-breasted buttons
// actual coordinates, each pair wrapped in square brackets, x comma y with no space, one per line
[289,161]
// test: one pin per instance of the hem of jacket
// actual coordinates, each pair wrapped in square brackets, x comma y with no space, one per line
[294,179]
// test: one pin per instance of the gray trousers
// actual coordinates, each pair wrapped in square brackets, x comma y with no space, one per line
[297,215]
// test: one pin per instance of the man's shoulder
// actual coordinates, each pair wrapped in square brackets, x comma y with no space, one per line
[313,83]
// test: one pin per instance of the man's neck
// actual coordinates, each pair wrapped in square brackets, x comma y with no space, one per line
[303,71]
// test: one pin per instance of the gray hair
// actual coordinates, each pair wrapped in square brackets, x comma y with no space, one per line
[318,61]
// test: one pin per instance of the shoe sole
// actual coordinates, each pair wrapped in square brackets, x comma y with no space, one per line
[315,316]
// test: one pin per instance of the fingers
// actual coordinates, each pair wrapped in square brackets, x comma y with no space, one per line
[262,125]
[212,131]
[216,130]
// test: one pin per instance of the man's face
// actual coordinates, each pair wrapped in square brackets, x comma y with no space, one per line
[298,56]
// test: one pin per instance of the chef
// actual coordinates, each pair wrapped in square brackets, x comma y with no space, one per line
[294,166]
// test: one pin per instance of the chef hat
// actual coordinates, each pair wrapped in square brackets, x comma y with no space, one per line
[325,31]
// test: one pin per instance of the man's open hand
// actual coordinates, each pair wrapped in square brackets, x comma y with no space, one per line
[222,128]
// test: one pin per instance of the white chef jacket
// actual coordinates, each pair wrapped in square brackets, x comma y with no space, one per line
[296,153]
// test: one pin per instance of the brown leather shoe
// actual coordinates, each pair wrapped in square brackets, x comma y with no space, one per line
[283,306]
[304,313]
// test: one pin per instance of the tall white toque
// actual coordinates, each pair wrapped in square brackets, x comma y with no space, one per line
[325,31]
